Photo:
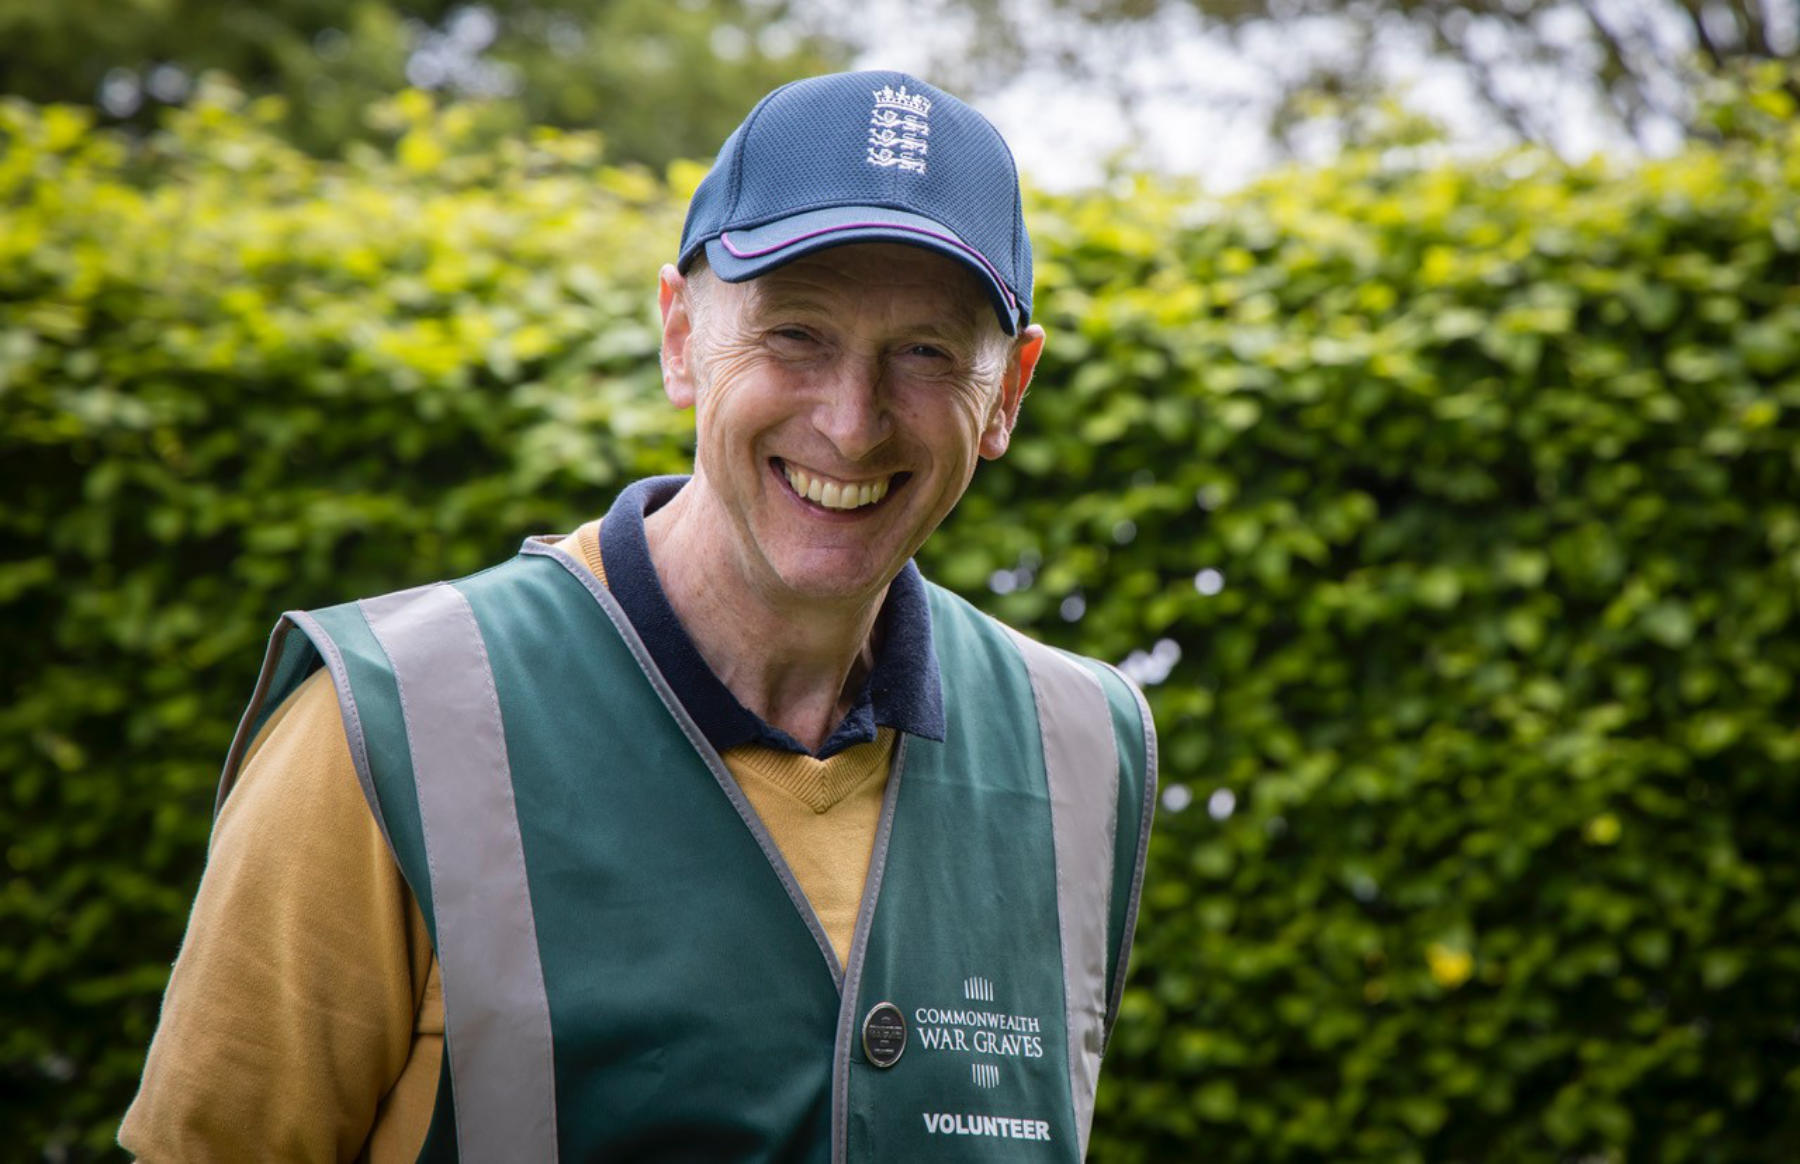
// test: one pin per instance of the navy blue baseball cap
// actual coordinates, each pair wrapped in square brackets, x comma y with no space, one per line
[864,157]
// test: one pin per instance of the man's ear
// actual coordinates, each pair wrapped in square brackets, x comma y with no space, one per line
[677,337]
[1020,364]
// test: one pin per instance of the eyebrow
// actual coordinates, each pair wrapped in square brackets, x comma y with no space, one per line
[773,300]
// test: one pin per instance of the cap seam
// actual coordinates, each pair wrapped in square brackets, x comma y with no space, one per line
[1008,311]
[836,204]
[737,163]
[948,237]
[1023,295]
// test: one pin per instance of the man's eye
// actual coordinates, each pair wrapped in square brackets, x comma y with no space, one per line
[793,334]
[926,351]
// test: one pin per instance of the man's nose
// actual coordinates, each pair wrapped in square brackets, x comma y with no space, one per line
[853,414]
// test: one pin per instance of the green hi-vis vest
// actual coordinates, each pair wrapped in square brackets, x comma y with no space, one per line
[630,970]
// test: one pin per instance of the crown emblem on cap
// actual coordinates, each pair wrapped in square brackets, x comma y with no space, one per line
[898,126]
[889,97]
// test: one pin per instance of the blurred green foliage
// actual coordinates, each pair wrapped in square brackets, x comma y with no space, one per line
[236,380]
[1450,512]
[658,80]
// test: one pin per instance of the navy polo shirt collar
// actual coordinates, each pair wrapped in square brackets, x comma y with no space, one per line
[902,690]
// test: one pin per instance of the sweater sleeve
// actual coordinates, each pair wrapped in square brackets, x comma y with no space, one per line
[294,1007]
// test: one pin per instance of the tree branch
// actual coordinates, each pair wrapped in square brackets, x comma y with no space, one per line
[1752,18]
[1693,10]
[1481,76]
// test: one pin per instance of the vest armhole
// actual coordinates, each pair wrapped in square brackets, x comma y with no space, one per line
[277,660]
[1146,815]
[288,662]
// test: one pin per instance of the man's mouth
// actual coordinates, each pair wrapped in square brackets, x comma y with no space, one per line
[831,493]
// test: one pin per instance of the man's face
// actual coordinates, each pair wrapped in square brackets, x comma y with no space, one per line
[842,401]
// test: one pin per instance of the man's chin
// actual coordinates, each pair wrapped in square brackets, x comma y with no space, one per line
[832,579]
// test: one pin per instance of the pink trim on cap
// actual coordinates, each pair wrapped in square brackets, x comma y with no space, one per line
[1012,303]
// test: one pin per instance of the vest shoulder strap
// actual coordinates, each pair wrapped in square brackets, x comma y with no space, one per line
[425,645]
[496,1007]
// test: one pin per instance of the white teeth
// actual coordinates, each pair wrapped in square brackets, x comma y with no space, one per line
[833,494]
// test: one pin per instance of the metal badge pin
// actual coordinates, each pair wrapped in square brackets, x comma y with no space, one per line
[884,1034]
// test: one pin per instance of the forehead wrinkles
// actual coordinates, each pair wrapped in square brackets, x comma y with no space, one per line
[910,288]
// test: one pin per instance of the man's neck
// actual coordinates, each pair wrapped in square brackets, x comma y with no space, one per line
[795,662]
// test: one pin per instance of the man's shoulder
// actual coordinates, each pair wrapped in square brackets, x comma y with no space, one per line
[956,614]
[961,628]
[540,555]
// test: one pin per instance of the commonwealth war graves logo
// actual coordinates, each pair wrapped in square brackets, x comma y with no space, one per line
[995,1035]
[995,1041]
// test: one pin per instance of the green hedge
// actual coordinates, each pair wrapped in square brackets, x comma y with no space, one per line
[236,381]
[1451,513]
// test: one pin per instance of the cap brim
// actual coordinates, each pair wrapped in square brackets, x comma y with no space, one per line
[737,255]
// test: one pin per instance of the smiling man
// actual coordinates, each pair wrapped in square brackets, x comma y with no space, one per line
[710,831]
[843,402]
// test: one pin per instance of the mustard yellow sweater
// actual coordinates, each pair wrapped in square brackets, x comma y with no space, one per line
[304,1018]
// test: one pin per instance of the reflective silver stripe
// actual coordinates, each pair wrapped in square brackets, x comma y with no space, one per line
[1146,814]
[1081,762]
[496,1015]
